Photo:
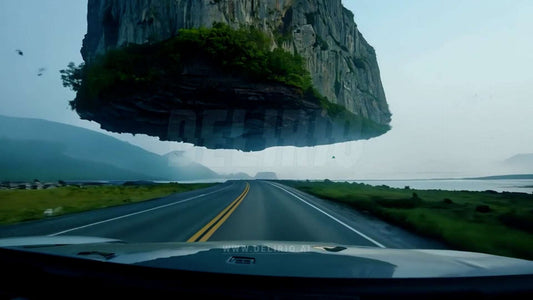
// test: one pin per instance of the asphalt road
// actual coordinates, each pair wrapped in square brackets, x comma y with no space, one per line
[235,210]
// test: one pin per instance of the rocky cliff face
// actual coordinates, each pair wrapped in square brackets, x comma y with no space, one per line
[342,64]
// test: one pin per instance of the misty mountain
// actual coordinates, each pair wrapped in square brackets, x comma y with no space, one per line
[177,160]
[522,161]
[35,148]
[266,176]
[504,177]
[238,176]
[24,160]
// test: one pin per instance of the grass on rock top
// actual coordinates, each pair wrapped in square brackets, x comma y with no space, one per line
[245,52]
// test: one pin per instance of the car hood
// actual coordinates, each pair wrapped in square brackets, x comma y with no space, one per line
[279,258]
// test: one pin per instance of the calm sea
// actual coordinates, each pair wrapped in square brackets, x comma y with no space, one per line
[500,185]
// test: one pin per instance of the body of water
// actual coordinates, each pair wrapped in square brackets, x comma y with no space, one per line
[499,185]
[211,180]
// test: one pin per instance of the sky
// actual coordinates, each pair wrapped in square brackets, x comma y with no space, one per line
[457,76]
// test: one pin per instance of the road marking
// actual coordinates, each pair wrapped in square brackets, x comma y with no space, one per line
[207,231]
[212,230]
[139,212]
[332,217]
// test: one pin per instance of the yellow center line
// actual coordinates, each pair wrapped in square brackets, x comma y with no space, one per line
[205,233]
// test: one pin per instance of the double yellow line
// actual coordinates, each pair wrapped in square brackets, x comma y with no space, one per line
[207,231]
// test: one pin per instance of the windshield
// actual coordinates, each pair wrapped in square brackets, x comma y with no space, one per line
[317,127]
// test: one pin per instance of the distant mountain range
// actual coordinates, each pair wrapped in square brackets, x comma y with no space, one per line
[39,149]
[266,176]
[498,177]
[523,161]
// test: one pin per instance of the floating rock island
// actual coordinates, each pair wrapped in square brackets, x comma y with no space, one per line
[229,74]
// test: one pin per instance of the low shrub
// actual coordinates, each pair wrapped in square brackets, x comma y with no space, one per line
[483,208]
[522,221]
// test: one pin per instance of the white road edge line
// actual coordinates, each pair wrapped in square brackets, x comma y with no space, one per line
[139,212]
[332,217]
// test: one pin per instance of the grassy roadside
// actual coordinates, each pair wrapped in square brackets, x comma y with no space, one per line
[23,205]
[488,222]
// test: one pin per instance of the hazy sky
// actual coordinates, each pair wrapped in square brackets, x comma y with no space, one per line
[457,75]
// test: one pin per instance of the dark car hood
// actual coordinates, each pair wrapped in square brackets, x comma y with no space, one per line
[277,258]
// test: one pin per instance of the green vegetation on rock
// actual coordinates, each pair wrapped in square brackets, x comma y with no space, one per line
[489,222]
[243,52]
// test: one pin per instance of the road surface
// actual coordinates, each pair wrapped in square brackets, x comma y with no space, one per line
[235,210]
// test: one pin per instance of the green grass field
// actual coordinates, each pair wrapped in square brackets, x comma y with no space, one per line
[488,222]
[24,205]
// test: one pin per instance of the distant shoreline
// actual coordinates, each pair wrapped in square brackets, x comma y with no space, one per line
[492,177]
[38,185]
[506,184]
[503,177]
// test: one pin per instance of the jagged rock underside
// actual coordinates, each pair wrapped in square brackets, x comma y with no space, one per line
[208,109]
